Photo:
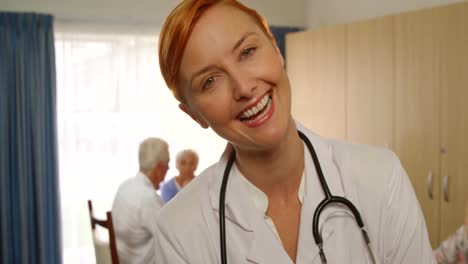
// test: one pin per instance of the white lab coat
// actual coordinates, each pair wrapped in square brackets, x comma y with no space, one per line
[371,178]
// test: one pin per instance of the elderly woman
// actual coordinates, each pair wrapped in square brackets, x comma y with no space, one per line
[279,193]
[186,163]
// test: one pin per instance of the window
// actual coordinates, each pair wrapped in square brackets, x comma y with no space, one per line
[110,96]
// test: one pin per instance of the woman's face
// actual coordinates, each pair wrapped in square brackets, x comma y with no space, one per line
[232,79]
[187,164]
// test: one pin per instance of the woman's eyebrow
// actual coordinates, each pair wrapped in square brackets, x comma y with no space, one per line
[202,71]
[242,39]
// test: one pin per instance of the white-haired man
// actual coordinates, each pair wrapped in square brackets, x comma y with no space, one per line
[136,204]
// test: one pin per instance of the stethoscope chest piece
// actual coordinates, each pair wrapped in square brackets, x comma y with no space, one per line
[329,199]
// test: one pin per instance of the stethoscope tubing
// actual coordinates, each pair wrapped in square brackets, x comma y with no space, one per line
[222,197]
[329,199]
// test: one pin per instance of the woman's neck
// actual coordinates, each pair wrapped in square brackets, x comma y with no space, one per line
[276,172]
[184,177]
[183,180]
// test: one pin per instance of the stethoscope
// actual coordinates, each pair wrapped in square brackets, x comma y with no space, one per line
[329,199]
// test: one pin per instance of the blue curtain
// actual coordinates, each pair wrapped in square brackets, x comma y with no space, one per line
[280,36]
[29,195]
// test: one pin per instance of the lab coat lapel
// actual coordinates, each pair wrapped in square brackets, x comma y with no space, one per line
[237,206]
[307,249]
[264,247]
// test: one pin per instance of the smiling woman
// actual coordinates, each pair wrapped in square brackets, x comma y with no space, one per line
[230,77]
[251,63]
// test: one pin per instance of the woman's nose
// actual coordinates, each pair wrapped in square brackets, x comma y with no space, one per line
[244,85]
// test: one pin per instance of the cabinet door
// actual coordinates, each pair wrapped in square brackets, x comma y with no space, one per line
[370,82]
[320,105]
[417,108]
[453,22]
[297,67]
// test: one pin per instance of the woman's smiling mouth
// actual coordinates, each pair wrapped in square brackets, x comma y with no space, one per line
[258,113]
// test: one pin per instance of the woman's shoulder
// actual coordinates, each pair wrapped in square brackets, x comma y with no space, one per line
[170,186]
[373,157]
[169,190]
[360,157]
[369,167]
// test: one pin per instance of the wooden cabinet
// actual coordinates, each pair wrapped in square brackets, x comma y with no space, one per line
[453,27]
[297,75]
[417,109]
[399,82]
[319,100]
[370,82]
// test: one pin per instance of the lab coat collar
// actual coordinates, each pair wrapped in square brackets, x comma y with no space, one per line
[240,210]
[238,207]
[307,250]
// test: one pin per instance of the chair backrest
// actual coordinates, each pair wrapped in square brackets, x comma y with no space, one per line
[107,223]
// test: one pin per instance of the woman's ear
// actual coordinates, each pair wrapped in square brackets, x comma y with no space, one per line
[193,115]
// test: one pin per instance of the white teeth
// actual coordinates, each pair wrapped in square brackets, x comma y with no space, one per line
[256,109]
[267,109]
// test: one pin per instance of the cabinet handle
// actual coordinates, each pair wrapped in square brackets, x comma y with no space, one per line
[445,182]
[429,183]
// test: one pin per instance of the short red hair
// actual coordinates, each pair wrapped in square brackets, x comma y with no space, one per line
[177,29]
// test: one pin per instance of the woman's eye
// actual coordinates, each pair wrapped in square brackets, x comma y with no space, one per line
[248,52]
[208,82]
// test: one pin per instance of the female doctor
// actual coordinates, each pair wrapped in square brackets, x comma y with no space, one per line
[221,62]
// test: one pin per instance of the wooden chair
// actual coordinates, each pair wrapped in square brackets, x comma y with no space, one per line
[110,249]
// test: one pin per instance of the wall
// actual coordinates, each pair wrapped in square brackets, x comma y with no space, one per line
[150,12]
[330,12]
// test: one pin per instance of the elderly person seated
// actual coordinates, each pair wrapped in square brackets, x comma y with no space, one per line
[137,203]
[186,163]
